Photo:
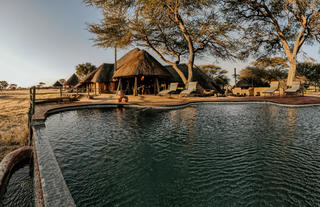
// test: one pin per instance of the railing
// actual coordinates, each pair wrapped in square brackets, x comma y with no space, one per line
[31,112]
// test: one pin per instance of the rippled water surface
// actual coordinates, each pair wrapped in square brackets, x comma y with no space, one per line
[204,155]
[20,188]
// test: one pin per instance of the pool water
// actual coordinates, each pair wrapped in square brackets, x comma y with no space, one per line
[202,155]
[19,191]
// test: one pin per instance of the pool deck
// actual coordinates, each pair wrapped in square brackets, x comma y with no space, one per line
[41,110]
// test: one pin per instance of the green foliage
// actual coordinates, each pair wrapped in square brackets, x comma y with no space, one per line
[311,71]
[84,69]
[173,29]
[3,84]
[218,75]
[271,26]
[13,86]
[253,77]
[263,71]
[41,84]
[271,63]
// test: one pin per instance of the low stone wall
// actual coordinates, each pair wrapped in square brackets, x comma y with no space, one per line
[9,162]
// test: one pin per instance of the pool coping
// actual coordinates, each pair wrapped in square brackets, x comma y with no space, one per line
[50,186]
[39,180]
[70,107]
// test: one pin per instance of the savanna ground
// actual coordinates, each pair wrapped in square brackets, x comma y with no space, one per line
[14,106]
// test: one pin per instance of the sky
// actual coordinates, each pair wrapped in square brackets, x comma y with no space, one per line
[44,40]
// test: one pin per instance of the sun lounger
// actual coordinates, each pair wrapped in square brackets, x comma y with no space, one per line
[192,87]
[172,88]
[295,88]
[274,86]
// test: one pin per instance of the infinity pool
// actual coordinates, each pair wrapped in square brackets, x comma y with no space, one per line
[202,155]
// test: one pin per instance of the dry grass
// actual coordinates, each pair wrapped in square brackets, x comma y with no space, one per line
[14,106]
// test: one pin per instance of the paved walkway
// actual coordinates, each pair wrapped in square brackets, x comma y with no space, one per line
[174,100]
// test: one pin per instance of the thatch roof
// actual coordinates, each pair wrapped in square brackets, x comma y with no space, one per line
[139,62]
[57,84]
[87,78]
[124,59]
[103,74]
[198,75]
[72,81]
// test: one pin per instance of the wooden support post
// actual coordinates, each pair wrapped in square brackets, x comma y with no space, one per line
[157,86]
[60,92]
[135,86]
[115,58]
[119,87]
[88,89]
[95,89]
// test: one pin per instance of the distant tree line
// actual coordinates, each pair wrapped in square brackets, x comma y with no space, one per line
[5,85]
[261,72]
[311,72]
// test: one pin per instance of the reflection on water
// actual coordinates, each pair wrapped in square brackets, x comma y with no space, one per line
[205,155]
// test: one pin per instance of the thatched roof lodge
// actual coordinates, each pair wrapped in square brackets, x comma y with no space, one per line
[139,71]
[99,80]
[198,75]
[86,81]
[103,78]
[57,84]
[72,81]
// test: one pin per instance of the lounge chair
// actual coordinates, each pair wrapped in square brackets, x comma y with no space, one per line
[274,86]
[172,88]
[192,87]
[295,88]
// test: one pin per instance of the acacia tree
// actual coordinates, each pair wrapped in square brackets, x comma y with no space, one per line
[264,70]
[271,26]
[173,29]
[311,71]
[13,86]
[216,73]
[276,68]
[83,69]
[3,84]
[41,84]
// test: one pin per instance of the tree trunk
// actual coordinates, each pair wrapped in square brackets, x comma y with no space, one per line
[190,46]
[180,73]
[190,73]
[292,71]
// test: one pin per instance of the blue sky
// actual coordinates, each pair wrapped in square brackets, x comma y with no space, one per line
[43,40]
